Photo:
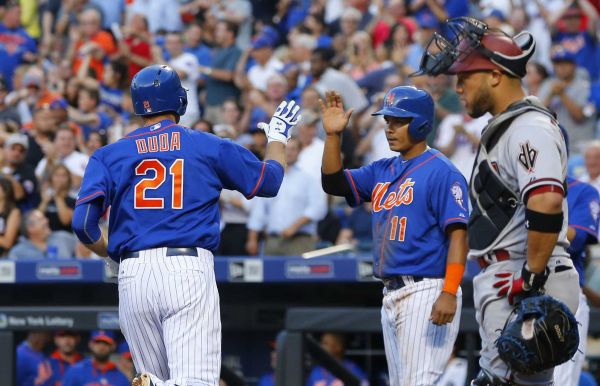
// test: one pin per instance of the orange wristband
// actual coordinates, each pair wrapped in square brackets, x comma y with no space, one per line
[454,274]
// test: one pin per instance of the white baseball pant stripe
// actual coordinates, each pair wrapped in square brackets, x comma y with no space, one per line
[169,314]
[416,350]
[569,372]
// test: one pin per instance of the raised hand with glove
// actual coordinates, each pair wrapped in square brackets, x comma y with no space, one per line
[279,129]
[519,285]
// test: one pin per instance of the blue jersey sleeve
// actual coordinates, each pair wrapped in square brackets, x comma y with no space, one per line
[85,221]
[583,217]
[361,182]
[96,183]
[71,377]
[240,170]
[449,198]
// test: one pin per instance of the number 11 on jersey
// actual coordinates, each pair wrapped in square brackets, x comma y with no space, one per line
[152,183]
[401,232]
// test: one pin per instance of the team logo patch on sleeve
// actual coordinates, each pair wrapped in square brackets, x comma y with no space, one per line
[457,193]
[528,156]
[594,209]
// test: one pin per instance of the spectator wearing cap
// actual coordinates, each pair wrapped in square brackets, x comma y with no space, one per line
[428,24]
[570,34]
[90,42]
[65,355]
[311,146]
[187,67]
[37,241]
[161,14]
[327,78]
[99,369]
[63,152]
[33,368]
[125,361]
[567,95]
[290,219]
[219,84]
[29,90]
[10,217]
[16,45]
[21,174]
[496,19]
[265,64]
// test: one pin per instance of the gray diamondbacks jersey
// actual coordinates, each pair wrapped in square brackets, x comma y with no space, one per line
[531,153]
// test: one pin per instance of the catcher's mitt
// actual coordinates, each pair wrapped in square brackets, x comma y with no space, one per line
[543,335]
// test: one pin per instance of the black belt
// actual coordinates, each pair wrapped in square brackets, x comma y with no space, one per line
[183,251]
[396,282]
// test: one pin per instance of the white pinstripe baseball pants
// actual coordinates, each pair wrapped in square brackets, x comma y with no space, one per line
[169,314]
[416,349]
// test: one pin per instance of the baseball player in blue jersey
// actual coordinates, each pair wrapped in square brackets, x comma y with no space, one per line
[584,206]
[162,183]
[99,369]
[419,231]
[33,368]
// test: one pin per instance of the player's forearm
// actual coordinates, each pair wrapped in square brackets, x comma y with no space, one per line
[332,157]
[276,152]
[99,247]
[457,257]
[541,242]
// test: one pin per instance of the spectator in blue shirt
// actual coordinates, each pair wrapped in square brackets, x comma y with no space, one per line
[335,345]
[16,46]
[99,369]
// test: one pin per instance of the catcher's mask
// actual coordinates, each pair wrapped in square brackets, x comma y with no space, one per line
[475,47]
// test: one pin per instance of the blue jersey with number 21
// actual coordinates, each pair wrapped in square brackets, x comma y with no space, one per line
[163,182]
[413,203]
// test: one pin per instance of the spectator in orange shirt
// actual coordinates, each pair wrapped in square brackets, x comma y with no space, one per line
[88,39]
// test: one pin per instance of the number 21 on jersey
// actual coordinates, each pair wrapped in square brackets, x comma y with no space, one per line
[140,201]
[398,223]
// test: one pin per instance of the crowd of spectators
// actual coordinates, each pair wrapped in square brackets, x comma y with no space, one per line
[65,67]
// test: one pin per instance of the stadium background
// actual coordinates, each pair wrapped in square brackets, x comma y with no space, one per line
[66,66]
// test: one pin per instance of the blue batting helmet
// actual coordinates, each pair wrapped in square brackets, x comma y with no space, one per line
[157,89]
[410,102]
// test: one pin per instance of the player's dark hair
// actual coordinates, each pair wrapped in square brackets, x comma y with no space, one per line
[121,70]
[92,93]
[10,201]
[56,169]
[326,54]
[231,27]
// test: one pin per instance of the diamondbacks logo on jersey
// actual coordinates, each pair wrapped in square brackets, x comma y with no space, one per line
[404,195]
[528,156]
[457,193]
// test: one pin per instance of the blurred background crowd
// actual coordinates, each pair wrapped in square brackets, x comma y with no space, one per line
[66,65]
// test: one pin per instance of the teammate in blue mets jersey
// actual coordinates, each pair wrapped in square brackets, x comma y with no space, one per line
[162,183]
[583,204]
[419,231]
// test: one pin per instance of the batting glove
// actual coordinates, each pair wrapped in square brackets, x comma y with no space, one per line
[519,285]
[280,127]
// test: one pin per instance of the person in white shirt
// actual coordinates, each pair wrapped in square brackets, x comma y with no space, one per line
[62,151]
[186,66]
[458,137]
[290,219]
[311,145]
[161,14]
[591,157]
